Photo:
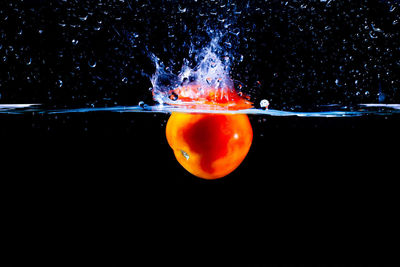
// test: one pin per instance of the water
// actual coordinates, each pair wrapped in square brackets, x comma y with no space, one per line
[321,73]
[326,111]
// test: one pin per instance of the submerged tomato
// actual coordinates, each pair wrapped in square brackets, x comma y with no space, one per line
[209,146]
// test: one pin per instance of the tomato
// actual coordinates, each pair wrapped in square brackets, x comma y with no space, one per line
[209,146]
[211,98]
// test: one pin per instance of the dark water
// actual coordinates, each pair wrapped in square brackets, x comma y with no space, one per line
[130,147]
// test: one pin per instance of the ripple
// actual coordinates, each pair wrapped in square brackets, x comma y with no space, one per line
[324,111]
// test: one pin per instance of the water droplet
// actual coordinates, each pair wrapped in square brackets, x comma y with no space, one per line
[125,80]
[182,9]
[75,42]
[376,28]
[236,31]
[141,104]
[59,83]
[381,97]
[264,103]
[373,35]
[92,63]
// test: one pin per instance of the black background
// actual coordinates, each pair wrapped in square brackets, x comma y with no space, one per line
[298,54]
[308,189]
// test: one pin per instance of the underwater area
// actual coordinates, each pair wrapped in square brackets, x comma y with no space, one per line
[87,88]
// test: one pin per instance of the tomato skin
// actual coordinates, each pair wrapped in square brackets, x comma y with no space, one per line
[209,146]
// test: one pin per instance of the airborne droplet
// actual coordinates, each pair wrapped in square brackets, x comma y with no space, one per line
[92,64]
[264,103]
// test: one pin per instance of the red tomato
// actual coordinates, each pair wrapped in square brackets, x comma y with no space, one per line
[211,98]
[209,146]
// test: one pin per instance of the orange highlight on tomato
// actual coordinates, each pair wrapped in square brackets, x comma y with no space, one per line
[209,146]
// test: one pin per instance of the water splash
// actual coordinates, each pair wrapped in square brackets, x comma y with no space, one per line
[207,84]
